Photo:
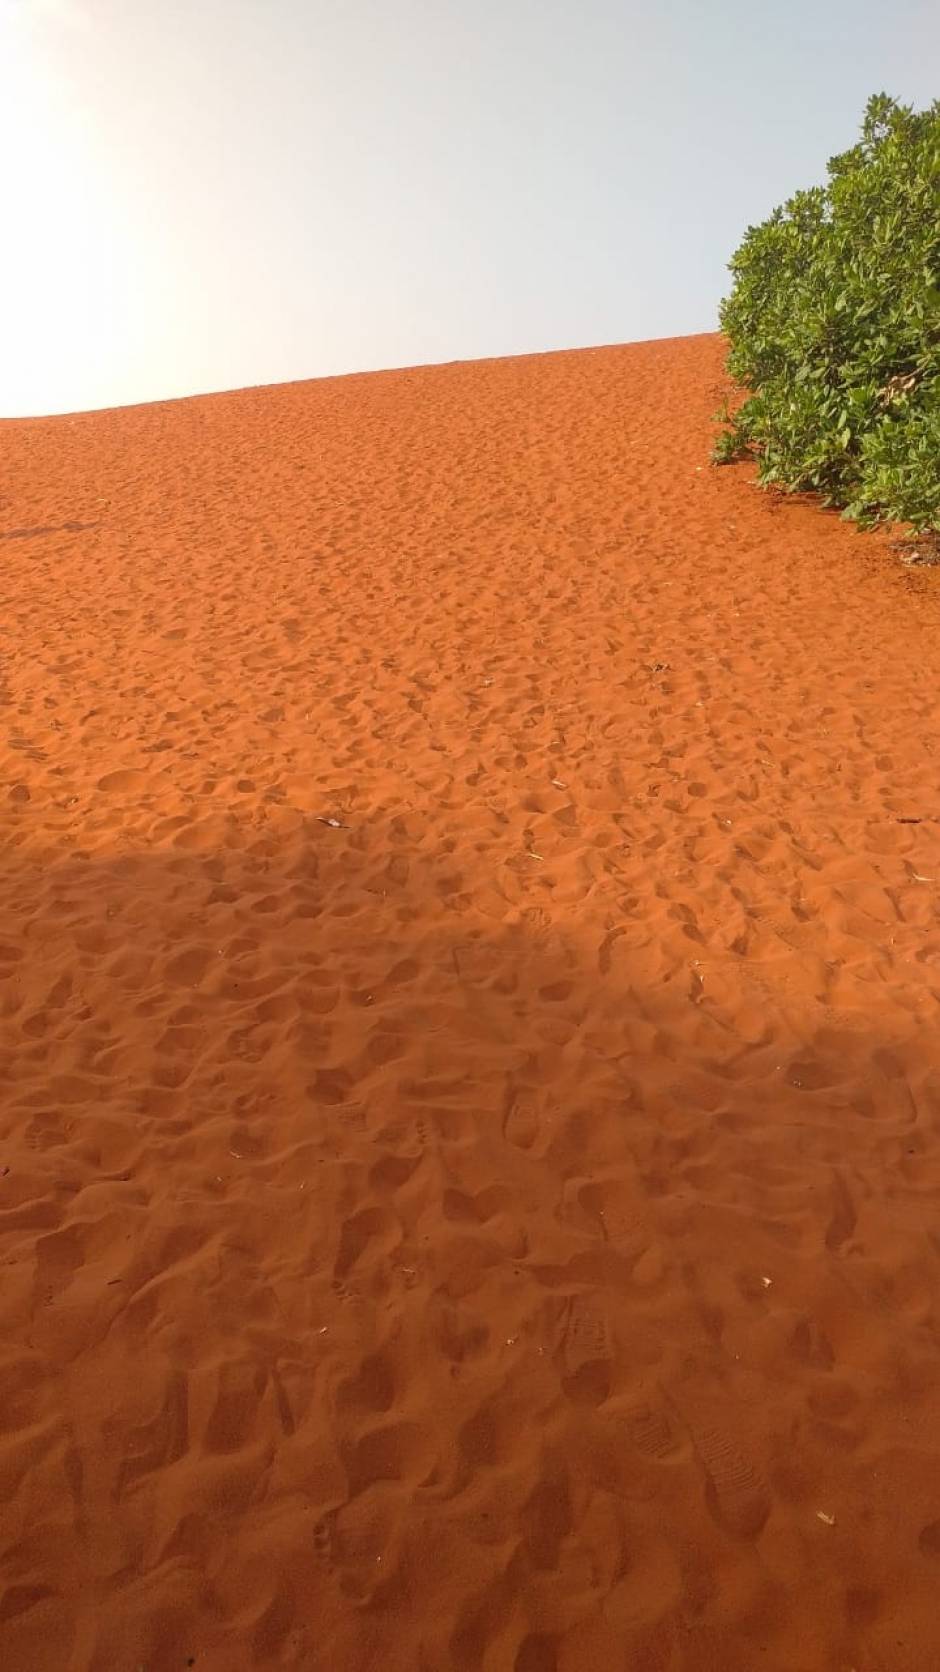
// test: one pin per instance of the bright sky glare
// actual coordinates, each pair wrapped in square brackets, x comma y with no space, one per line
[207,194]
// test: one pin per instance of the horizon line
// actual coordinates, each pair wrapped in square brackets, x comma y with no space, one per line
[333,377]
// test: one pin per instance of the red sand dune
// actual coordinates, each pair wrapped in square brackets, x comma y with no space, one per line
[497,1231]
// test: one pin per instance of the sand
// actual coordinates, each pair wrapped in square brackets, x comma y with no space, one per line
[469,976]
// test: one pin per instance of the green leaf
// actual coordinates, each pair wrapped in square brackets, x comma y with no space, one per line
[833,328]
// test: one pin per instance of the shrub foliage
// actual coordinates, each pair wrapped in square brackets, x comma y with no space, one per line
[833,325]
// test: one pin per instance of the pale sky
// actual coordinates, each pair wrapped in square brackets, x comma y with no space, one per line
[209,194]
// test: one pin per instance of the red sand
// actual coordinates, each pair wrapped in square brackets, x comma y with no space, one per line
[500,1232]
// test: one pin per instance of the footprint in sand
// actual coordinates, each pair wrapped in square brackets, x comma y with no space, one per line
[842,1214]
[521,1121]
[737,1497]
[536,1654]
[372,1386]
[367,1227]
[586,1351]
[652,1432]
[126,779]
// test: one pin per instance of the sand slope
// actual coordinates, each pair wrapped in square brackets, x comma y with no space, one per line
[497,1232]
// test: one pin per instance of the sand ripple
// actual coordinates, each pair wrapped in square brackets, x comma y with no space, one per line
[469,976]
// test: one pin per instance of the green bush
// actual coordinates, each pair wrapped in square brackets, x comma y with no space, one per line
[833,325]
